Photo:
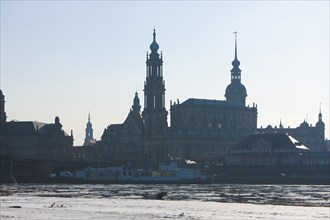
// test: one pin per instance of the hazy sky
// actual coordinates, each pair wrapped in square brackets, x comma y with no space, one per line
[70,58]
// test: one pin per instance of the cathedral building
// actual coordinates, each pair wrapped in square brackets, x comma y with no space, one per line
[226,119]
[204,129]
[122,144]
[201,129]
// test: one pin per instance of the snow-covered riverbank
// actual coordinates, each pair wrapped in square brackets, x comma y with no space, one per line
[125,202]
[108,208]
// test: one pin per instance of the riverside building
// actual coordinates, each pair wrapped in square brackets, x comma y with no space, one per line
[201,129]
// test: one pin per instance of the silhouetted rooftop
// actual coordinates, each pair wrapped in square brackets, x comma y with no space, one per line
[277,141]
[209,102]
[29,128]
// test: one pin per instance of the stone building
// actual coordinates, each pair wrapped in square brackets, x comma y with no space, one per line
[154,113]
[201,129]
[122,144]
[87,154]
[204,130]
[266,150]
[311,136]
[275,157]
[33,140]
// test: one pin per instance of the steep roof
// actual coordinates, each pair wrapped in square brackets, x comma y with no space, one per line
[23,128]
[277,141]
[133,118]
[29,128]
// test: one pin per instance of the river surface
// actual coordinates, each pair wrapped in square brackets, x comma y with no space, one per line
[209,201]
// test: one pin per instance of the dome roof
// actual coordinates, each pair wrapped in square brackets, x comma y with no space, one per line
[320,124]
[235,62]
[154,45]
[236,89]
[304,125]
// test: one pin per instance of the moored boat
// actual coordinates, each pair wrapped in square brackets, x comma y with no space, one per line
[167,173]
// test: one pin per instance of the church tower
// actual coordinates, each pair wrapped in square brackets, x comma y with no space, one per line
[320,126]
[154,113]
[136,107]
[89,140]
[3,116]
[236,91]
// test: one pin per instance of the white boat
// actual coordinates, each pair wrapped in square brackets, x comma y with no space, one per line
[167,173]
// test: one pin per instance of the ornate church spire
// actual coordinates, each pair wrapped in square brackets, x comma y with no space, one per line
[320,114]
[236,71]
[3,116]
[154,45]
[236,91]
[320,125]
[154,112]
[154,89]
[89,140]
[136,103]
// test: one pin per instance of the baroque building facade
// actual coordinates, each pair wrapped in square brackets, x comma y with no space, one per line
[311,136]
[31,140]
[122,144]
[202,130]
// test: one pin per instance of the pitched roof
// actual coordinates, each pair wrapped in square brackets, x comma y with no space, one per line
[133,118]
[23,128]
[29,128]
[278,141]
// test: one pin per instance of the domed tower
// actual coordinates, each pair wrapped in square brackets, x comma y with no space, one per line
[136,104]
[3,116]
[236,91]
[154,113]
[320,126]
[89,140]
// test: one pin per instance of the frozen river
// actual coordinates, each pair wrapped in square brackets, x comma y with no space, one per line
[214,201]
